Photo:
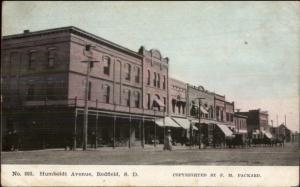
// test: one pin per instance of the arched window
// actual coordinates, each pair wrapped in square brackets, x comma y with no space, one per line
[179,106]
[89,90]
[173,105]
[127,95]
[106,65]
[137,76]
[158,80]
[211,112]
[154,80]
[128,72]
[106,93]
[148,78]
[148,101]
[183,104]
[137,99]
[156,104]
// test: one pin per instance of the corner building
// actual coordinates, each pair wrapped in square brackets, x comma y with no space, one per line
[43,79]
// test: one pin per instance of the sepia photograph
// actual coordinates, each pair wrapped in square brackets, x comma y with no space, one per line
[123,93]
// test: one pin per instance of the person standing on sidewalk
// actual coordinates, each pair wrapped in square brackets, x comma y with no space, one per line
[168,141]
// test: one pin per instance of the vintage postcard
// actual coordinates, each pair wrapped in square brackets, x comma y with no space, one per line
[150,93]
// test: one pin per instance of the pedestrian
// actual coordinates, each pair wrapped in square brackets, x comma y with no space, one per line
[168,141]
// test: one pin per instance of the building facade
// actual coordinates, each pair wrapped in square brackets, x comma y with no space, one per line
[257,121]
[44,78]
[240,122]
[282,132]
[209,109]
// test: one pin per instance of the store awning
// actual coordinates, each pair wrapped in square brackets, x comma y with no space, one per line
[184,123]
[203,110]
[225,130]
[268,134]
[159,102]
[167,122]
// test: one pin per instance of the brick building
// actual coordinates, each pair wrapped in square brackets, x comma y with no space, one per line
[44,89]
[257,121]
[178,111]
[240,122]
[214,127]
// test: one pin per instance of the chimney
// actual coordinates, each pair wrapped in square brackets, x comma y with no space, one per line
[26,31]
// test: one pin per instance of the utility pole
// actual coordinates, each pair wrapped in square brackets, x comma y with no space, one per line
[90,62]
[285,120]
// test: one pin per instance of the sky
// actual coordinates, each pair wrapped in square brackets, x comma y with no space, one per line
[247,51]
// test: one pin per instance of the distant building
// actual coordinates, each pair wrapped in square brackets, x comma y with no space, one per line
[257,120]
[240,122]
[216,123]
[178,112]
[282,132]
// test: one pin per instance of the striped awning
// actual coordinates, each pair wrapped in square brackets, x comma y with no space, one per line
[167,122]
[267,134]
[225,130]
[184,123]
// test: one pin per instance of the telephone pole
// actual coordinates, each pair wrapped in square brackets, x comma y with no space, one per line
[90,63]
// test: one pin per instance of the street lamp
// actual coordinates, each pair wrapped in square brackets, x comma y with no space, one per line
[199,113]
[90,63]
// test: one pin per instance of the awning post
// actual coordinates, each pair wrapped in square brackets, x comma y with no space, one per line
[96,132]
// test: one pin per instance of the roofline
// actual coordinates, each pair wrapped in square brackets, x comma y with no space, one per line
[75,30]
[174,79]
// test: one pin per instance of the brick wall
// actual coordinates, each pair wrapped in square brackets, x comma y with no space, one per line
[154,64]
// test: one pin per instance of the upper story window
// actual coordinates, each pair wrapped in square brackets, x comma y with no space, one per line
[106,93]
[51,57]
[222,119]
[31,59]
[148,101]
[127,97]
[218,111]
[137,76]
[158,80]
[89,90]
[183,107]
[164,82]
[106,65]
[173,105]
[137,99]
[165,103]
[178,107]
[148,77]
[211,112]
[154,80]
[128,72]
